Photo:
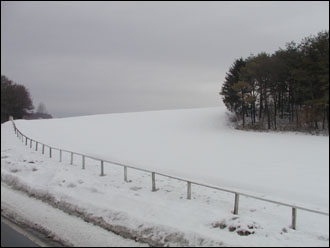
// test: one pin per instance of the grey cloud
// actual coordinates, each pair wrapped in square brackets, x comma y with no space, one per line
[87,57]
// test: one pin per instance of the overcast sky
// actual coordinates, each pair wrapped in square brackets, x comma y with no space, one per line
[82,58]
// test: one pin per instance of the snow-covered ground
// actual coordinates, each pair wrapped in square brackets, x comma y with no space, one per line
[195,144]
[69,230]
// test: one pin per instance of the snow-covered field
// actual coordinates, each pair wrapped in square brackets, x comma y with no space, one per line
[195,144]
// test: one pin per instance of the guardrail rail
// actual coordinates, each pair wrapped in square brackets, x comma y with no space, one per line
[153,174]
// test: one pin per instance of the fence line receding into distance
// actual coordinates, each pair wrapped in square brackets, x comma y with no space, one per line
[153,174]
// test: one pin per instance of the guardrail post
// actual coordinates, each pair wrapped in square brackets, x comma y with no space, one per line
[125,174]
[236,203]
[153,179]
[83,162]
[102,168]
[188,190]
[294,218]
[71,158]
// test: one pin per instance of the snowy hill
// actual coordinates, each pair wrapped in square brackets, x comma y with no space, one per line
[195,144]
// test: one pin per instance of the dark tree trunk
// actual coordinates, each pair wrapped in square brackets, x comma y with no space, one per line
[261,104]
[297,117]
[275,113]
[243,115]
[323,121]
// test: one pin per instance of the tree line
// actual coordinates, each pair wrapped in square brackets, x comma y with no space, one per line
[286,90]
[16,101]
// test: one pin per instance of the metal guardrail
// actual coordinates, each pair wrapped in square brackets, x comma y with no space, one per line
[21,136]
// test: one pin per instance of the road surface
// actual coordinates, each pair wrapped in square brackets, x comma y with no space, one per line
[15,236]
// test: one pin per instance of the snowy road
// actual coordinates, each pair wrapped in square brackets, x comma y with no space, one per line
[13,238]
[71,230]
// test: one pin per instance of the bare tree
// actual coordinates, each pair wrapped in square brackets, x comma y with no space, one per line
[42,108]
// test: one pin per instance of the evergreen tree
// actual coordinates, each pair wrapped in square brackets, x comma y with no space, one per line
[230,97]
[286,89]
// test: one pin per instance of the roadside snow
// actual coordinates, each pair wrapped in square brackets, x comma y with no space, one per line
[193,144]
[68,229]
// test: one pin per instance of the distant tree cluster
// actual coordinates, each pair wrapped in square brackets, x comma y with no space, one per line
[288,90]
[16,101]
[41,113]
